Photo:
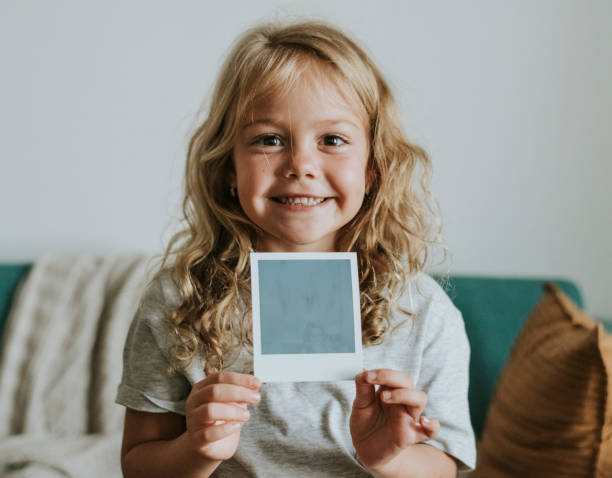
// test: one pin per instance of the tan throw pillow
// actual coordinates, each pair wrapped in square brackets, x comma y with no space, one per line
[551,415]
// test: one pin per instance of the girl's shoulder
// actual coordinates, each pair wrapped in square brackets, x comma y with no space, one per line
[424,293]
[161,291]
[430,307]
[159,299]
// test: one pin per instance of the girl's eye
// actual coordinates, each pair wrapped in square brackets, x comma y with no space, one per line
[272,140]
[333,140]
[268,140]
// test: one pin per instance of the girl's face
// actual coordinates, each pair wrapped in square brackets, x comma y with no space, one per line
[300,163]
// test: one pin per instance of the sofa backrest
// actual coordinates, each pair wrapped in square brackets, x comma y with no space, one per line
[494,310]
[11,276]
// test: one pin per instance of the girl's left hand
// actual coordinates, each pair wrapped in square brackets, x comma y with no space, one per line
[386,421]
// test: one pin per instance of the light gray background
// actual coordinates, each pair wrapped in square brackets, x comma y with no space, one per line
[513,101]
[306,306]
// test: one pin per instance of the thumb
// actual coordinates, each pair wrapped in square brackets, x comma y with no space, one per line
[365,392]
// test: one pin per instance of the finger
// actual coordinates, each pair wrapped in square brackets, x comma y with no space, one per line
[388,377]
[223,392]
[234,378]
[430,427]
[403,401]
[416,432]
[211,412]
[365,395]
[410,397]
[214,433]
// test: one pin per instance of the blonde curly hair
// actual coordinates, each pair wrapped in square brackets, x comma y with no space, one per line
[208,259]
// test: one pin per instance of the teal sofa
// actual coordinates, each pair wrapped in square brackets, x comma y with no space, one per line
[494,310]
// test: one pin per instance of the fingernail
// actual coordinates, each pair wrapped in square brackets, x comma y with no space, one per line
[370,376]
[246,414]
[386,396]
[425,421]
[234,424]
[255,397]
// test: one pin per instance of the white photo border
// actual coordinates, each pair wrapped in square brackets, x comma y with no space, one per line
[305,367]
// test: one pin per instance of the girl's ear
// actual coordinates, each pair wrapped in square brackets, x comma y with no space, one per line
[232,174]
[232,184]
[370,178]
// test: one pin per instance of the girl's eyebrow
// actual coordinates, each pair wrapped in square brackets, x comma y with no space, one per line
[260,121]
[328,122]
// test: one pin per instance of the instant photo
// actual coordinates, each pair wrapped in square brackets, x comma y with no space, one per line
[306,316]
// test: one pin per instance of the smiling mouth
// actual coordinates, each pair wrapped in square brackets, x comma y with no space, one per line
[299,201]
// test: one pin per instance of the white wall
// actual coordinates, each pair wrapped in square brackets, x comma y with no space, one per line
[513,101]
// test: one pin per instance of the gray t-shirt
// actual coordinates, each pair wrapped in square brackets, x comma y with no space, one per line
[301,429]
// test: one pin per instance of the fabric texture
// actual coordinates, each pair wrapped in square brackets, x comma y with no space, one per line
[302,429]
[60,365]
[551,415]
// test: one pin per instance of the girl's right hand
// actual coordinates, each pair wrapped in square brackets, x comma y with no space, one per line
[216,410]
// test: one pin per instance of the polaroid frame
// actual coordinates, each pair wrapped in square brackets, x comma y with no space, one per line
[312,366]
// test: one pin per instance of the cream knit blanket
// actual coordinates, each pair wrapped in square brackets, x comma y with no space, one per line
[61,362]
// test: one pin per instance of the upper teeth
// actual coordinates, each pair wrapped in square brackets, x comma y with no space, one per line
[303,201]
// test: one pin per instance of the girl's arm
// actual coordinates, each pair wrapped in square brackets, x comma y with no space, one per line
[387,428]
[419,460]
[168,444]
[154,445]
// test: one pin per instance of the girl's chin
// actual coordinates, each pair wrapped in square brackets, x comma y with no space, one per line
[297,244]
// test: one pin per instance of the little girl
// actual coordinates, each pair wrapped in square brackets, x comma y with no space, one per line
[301,151]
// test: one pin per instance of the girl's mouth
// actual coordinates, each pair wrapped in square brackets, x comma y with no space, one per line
[300,201]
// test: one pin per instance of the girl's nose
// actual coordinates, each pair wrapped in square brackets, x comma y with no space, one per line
[300,163]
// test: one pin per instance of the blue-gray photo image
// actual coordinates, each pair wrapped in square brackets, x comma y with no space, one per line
[306,306]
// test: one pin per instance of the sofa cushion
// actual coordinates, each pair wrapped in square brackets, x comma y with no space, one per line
[551,414]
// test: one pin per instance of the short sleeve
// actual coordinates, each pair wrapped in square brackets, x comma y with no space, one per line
[445,378]
[145,384]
